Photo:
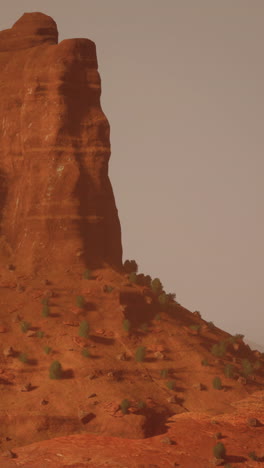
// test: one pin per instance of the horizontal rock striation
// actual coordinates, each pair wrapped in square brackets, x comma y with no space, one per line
[57,207]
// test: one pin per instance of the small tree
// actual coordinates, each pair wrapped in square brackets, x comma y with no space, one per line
[86,352]
[247,367]
[229,371]
[163,300]
[80,301]
[140,353]
[55,370]
[253,456]
[25,326]
[156,286]
[164,373]
[47,349]
[219,450]
[23,357]
[44,301]
[217,383]
[45,310]
[130,266]
[219,349]
[126,325]
[170,384]
[40,334]
[84,329]
[125,404]
[141,404]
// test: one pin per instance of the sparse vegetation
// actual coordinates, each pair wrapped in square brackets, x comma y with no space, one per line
[156,286]
[143,280]
[23,357]
[86,352]
[108,288]
[157,317]
[247,367]
[84,329]
[195,327]
[45,311]
[219,450]
[133,277]
[229,371]
[141,404]
[125,404]
[44,301]
[25,326]
[204,362]
[144,327]
[164,373]
[219,349]
[126,325]
[217,383]
[55,370]
[47,349]
[130,266]
[163,300]
[238,336]
[87,274]
[257,365]
[140,353]
[253,456]
[40,334]
[80,301]
[170,384]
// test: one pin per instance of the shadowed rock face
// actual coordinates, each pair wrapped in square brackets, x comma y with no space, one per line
[56,198]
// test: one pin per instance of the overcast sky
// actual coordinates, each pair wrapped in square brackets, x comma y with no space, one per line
[182,88]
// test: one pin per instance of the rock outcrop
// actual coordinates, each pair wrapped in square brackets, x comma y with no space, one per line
[57,207]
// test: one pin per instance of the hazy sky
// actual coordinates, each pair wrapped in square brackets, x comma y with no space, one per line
[182,88]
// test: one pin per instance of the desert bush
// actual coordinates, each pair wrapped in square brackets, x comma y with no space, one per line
[140,353]
[219,450]
[125,404]
[195,327]
[227,465]
[23,357]
[55,370]
[247,367]
[217,383]
[164,373]
[47,349]
[108,288]
[170,384]
[80,301]
[156,286]
[229,371]
[45,310]
[163,300]
[44,301]
[219,349]
[143,280]
[24,326]
[84,329]
[126,325]
[204,362]
[253,456]
[238,336]
[257,365]
[40,334]
[141,404]
[130,266]
[86,352]
[157,317]
[133,277]
[87,274]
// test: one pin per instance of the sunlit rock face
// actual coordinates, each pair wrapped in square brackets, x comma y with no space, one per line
[57,208]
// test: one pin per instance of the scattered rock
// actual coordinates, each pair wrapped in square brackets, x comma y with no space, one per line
[8,454]
[45,282]
[71,323]
[198,386]
[236,346]
[167,440]
[218,461]
[48,293]
[196,313]
[11,267]
[91,376]
[44,402]
[242,380]
[172,399]
[17,318]
[121,357]
[100,331]
[20,288]
[92,395]
[159,355]
[26,388]
[253,422]
[9,351]
[30,333]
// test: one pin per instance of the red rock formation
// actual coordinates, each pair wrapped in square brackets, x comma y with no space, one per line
[57,207]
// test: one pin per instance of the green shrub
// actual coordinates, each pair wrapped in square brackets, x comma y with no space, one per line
[133,277]
[238,336]
[40,334]
[23,357]
[125,404]
[229,371]
[195,327]
[44,301]
[163,300]
[219,349]
[126,325]
[157,317]
[219,450]
[84,329]
[130,266]
[253,456]
[45,311]
[140,353]
[108,288]
[231,339]
[170,384]
[204,362]
[171,296]
[80,301]
[86,352]
[47,349]
[87,274]
[156,286]
[143,280]
[217,383]
[164,373]
[257,365]
[24,326]
[141,404]
[247,367]
[55,370]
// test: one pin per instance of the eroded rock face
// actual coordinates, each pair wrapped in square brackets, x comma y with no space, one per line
[57,207]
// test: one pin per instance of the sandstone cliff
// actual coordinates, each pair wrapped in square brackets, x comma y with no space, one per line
[57,207]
